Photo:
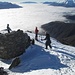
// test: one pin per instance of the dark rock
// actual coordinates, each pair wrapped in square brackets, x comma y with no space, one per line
[2,72]
[70,17]
[32,41]
[68,40]
[13,44]
[15,63]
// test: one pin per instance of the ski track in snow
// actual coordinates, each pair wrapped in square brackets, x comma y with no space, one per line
[60,60]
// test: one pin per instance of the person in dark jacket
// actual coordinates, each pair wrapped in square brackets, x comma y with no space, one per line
[36,33]
[8,28]
[48,41]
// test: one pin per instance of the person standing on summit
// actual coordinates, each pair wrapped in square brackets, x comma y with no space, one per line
[36,33]
[48,41]
[8,28]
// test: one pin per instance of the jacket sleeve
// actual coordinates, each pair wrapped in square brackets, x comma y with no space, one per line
[44,38]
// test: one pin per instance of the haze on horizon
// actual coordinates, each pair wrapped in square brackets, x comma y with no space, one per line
[31,0]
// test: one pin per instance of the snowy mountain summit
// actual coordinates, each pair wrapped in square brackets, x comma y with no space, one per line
[60,60]
[67,3]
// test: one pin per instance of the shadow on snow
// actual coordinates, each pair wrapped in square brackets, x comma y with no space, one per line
[73,56]
[37,58]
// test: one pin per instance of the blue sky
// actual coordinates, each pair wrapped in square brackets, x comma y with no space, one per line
[28,0]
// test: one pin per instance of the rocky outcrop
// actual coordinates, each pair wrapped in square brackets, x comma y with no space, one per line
[2,72]
[64,32]
[13,44]
[70,17]
[15,63]
[68,41]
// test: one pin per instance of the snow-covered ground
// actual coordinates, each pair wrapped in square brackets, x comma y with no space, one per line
[60,60]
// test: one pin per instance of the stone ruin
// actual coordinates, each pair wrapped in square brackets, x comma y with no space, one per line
[13,44]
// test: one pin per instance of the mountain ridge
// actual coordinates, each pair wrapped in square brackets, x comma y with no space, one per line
[28,2]
[60,4]
[64,32]
[7,5]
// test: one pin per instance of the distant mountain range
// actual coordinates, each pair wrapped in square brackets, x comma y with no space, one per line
[60,4]
[7,5]
[28,2]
